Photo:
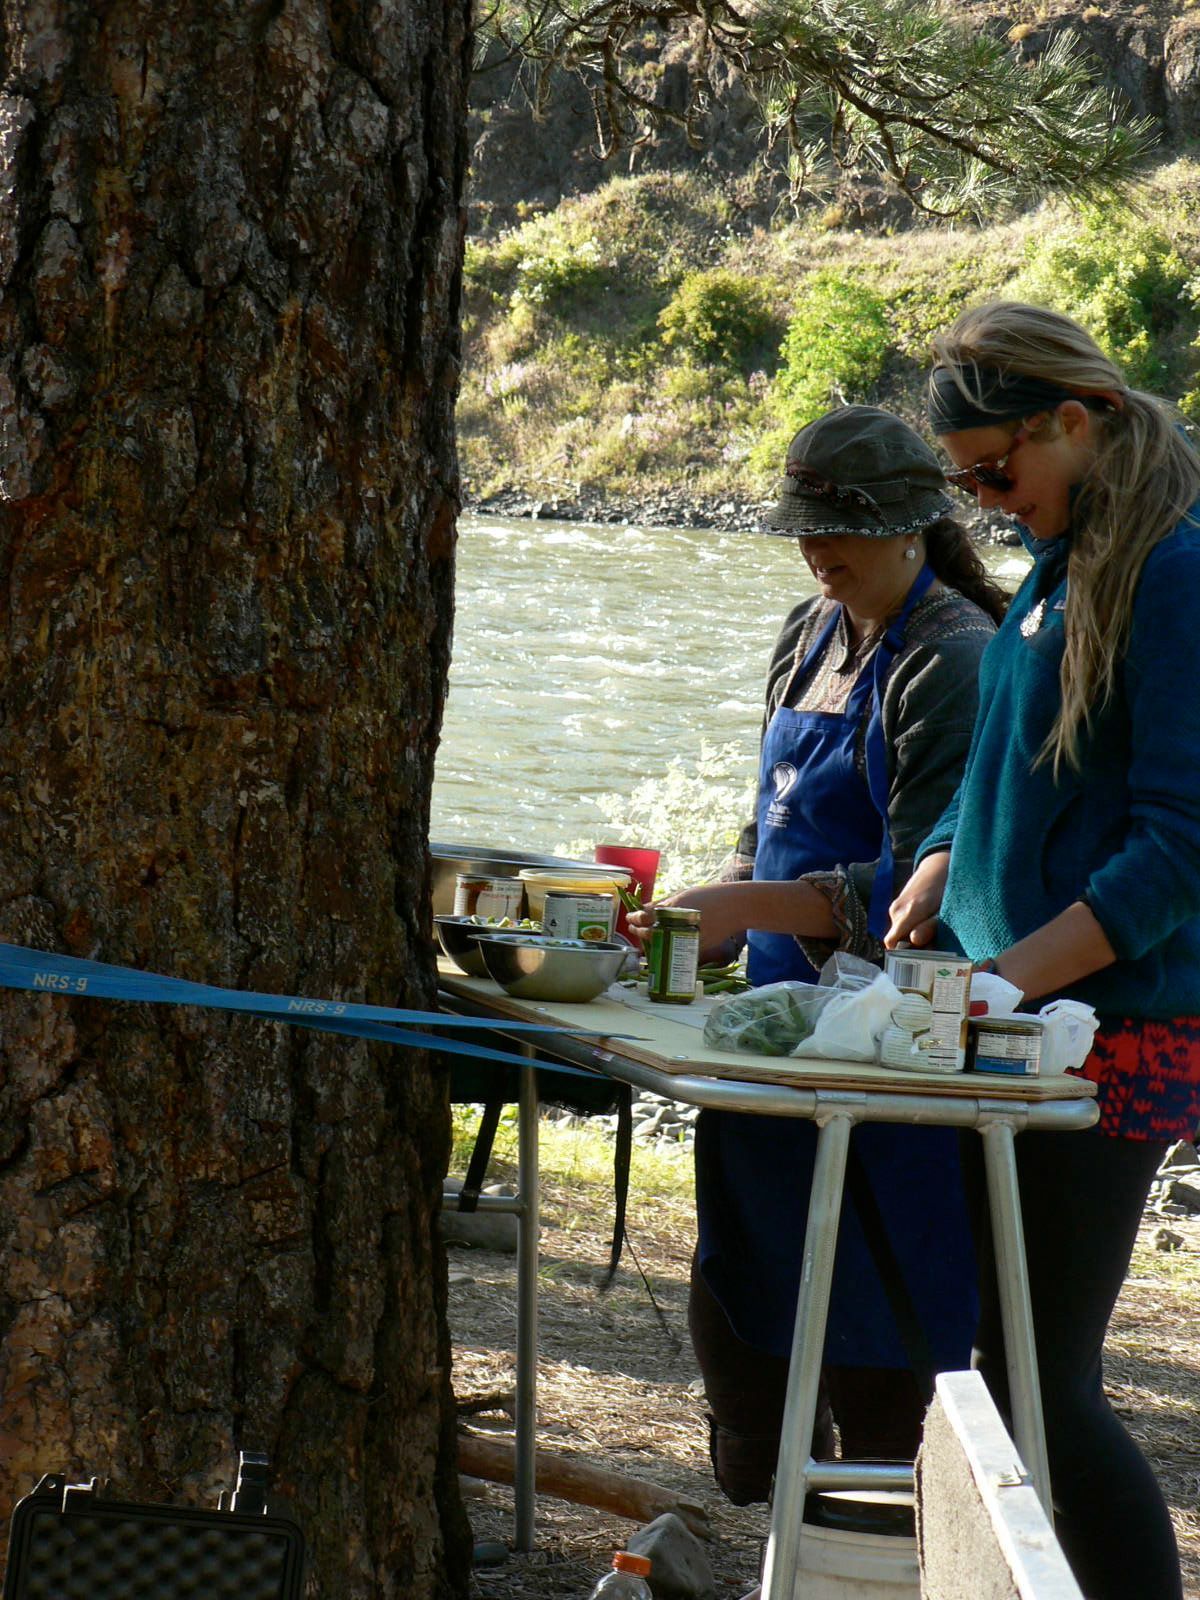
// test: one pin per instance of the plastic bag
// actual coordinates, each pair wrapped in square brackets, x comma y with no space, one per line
[776,1020]
[1070,1027]
[850,1026]
[1001,997]
[840,1018]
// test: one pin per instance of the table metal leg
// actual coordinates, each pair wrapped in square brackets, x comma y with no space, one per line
[1016,1309]
[804,1371]
[525,1467]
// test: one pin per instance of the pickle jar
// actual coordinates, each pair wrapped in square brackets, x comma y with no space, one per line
[673,955]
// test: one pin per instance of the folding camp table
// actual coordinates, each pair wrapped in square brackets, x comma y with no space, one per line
[659,1048]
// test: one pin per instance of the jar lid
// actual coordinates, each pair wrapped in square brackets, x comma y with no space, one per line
[585,872]
[1008,1024]
[626,1561]
[676,917]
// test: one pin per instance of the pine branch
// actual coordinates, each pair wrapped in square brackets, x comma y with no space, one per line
[954,119]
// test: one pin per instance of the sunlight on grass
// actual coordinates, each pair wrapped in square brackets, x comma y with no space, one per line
[641,310]
[1172,1271]
[581,1158]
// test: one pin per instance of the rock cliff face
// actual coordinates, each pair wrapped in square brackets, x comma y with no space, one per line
[1149,55]
[519,160]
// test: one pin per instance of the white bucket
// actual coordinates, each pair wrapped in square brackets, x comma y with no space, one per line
[838,1565]
[851,1564]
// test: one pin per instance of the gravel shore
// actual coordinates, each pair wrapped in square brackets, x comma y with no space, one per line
[675,509]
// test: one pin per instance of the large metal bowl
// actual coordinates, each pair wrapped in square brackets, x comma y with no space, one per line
[551,969]
[448,860]
[462,937]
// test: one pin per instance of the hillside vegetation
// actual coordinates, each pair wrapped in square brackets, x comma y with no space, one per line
[643,338]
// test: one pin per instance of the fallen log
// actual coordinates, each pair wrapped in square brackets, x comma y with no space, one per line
[498,1400]
[568,1478]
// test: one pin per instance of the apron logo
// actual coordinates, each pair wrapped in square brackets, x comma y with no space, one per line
[784,776]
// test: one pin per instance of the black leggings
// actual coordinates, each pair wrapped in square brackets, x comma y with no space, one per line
[878,1410]
[1082,1196]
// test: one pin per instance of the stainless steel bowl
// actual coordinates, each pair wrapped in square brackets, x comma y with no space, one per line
[461,939]
[446,861]
[551,969]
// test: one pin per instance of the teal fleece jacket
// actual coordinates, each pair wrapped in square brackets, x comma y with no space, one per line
[1122,833]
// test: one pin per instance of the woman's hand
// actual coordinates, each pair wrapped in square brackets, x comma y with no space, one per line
[721,923]
[914,911]
[790,906]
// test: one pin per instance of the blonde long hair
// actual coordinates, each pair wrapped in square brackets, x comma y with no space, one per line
[1144,476]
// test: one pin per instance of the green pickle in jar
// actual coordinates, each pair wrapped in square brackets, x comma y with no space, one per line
[673,955]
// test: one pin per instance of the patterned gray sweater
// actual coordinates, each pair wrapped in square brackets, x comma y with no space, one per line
[928,712]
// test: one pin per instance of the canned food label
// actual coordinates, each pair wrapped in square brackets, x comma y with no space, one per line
[578,916]
[1017,1053]
[945,981]
[673,960]
[487,897]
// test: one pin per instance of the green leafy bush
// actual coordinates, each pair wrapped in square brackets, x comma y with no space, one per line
[926,303]
[555,276]
[719,317]
[1123,280]
[834,350]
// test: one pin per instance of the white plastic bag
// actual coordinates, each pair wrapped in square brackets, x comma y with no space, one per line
[1001,997]
[850,1026]
[1067,1034]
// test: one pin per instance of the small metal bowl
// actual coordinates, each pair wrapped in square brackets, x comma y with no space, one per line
[552,969]
[462,940]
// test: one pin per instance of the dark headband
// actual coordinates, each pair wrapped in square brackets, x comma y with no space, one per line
[1002,397]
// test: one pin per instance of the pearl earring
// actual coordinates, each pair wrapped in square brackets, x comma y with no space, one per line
[910,553]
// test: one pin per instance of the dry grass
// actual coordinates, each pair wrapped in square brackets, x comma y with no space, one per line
[617,1388]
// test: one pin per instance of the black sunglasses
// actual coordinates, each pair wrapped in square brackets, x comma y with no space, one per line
[988,474]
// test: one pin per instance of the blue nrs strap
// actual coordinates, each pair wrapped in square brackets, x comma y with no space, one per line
[72,977]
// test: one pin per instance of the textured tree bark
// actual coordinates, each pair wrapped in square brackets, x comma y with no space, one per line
[230,234]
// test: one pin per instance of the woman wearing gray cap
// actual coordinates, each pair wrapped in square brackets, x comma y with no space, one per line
[870,702]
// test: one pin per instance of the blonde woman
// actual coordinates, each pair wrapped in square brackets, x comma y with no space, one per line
[1069,860]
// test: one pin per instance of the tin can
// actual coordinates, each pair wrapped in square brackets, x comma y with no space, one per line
[673,955]
[945,981]
[578,916]
[1011,1045]
[476,896]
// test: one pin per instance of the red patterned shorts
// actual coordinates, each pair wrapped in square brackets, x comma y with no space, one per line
[1147,1077]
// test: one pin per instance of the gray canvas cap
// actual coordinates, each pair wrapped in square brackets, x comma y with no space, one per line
[859,470]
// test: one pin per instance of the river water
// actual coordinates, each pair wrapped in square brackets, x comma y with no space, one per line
[589,658]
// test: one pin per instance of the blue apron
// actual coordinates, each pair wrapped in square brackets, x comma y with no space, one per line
[754,1174]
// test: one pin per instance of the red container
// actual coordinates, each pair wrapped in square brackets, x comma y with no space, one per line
[643,864]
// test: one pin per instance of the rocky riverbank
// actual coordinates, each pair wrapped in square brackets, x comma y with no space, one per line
[674,508]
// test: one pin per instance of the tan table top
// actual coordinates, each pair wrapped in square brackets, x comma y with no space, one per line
[659,1037]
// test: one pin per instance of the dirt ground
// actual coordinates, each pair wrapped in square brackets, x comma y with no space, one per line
[618,1387]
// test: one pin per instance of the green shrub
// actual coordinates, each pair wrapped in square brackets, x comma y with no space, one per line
[719,317]
[834,350]
[561,273]
[1123,280]
[685,383]
[924,305]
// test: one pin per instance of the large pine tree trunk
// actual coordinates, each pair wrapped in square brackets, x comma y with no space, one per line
[229,255]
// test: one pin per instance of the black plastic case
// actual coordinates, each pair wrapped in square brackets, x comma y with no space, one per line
[68,1542]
